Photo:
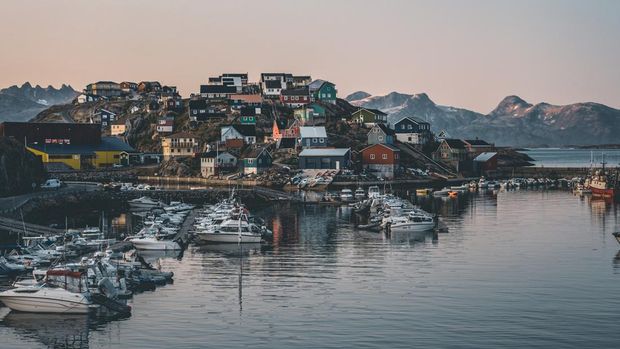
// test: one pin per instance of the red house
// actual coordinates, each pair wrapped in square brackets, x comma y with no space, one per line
[382,159]
[295,98]
[282,129]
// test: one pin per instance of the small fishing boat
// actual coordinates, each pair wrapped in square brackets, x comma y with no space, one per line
[144,203]
[153,243]
[373,192]
[68,295]
[360,193]
[346,195]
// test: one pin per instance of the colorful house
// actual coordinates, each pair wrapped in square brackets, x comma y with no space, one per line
[313,136]
[106,153]
[322,91]
[105,117]
[368,117]
[273,88]
[323,158]
[412,130]
[165,125]
[118,128]
[310,115]
[256,161]
[212,163]
[282,128]
[295,98]
[383,159]
[179,144]
[381,134]
[245,132]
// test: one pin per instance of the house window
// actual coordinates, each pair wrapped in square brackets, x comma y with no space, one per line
[372,156]
[380,138]
[384,156]
[410,127]
[396,156]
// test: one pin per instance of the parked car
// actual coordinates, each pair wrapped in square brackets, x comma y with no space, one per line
[51,184]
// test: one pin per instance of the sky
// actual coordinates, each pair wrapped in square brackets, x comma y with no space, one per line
[462,53]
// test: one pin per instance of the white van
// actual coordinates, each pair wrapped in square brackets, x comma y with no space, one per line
[51,184]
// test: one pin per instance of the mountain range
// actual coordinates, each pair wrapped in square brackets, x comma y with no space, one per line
[22,103]
[513,122]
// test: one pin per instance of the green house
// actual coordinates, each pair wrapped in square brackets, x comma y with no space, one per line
[256,161]
[310,114]
[368,117]
[248,120]
[323,91]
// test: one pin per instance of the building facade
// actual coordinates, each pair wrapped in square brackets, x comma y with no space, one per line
[382,159]
[179,144]
[320,158]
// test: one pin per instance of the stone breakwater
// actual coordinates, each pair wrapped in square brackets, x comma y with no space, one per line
[103,198]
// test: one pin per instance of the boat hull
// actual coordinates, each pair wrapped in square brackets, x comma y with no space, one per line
[160,245]
[45,305]
[608,193]
[412,227]
[227,238]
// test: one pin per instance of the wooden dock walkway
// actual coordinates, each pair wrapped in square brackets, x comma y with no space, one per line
[182,235]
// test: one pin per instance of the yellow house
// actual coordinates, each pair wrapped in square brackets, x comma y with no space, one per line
[108,152]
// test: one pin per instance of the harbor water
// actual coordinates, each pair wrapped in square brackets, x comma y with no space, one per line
[518,269]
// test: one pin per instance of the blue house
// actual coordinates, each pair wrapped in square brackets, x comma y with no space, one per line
[256,161]
[313,136]
[381,134]
[412,130]
[319,158]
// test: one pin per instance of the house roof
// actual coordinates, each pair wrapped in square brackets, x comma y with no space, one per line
[217,89]
[375,111]
[388,131]
[240,75]
[412,119]
[312,132]
[325,152]
[247,111]
[214,153]
[181,135]
[246,130]
[476,142]
[486,156]
[317,84]
[246,98]
[198,103]
[273,84]
[389,146]
[455,143]
[287,143]
[254,153]
[302,91]
[104,111]
[106,144]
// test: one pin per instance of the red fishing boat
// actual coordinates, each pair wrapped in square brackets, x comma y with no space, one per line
[604,183]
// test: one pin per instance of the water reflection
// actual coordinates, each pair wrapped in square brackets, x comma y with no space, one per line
[51,330]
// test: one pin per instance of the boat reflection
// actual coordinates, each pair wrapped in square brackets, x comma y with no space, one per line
[51,330]
[231,250]
[152,256]
[412,237]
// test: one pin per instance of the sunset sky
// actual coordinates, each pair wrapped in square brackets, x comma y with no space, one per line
[463,53]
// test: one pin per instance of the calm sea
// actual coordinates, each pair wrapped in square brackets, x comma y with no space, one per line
[565,157]
[522,269]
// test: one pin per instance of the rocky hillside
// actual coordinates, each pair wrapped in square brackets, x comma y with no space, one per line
[23,103]
[18,168]
[513,122]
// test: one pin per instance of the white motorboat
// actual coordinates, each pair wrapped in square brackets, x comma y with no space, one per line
[482,183]
[442,193]
[373,192]
[412,222]
[144,202]
[152,243]
[346,195]
[231,231]
[360,194]
[63,292]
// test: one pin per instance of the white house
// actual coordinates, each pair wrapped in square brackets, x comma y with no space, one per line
[273,88]
[210,167]
[245,132]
